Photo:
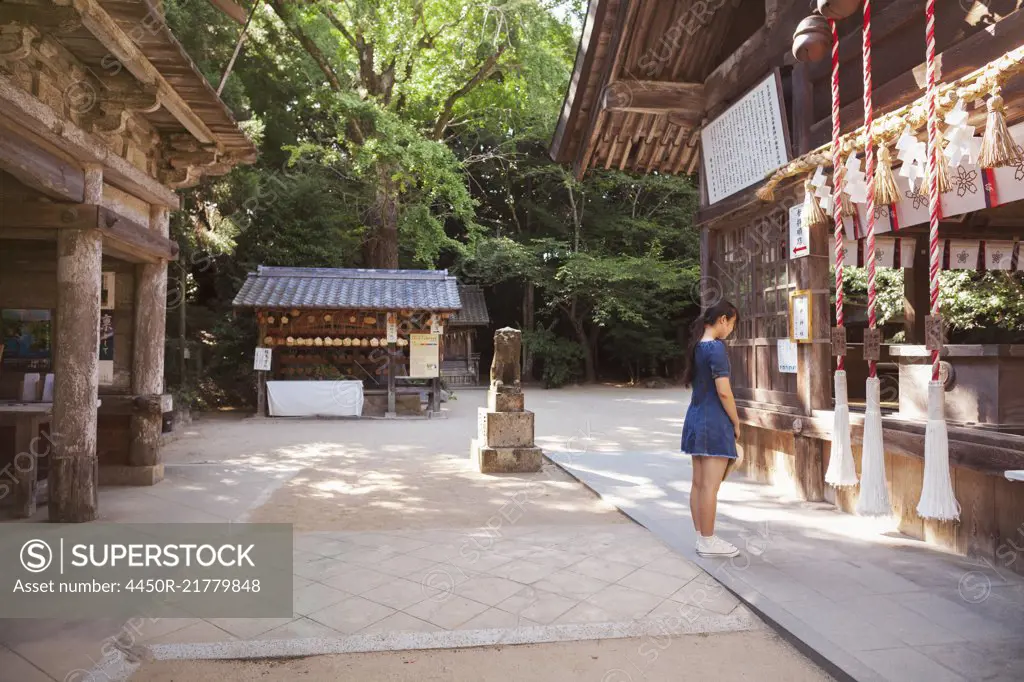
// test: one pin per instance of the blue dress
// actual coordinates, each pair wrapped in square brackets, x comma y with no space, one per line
[708,429]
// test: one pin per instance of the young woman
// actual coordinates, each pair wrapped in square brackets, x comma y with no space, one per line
[712,425]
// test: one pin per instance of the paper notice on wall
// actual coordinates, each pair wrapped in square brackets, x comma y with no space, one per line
[787,356]
[392,328]
[106,359]
[800,311]
[424,356]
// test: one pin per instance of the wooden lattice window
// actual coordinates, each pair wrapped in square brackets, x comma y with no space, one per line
[751,269]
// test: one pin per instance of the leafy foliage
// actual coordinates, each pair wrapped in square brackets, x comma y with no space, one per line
[983,307]
[560,358]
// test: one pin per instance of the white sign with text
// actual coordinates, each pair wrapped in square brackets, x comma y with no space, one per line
[798,242]
[262,361]
[746,143]
[787,356]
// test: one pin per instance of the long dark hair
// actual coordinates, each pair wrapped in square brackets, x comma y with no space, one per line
[705,319]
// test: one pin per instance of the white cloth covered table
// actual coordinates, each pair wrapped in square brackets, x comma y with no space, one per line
[315,398]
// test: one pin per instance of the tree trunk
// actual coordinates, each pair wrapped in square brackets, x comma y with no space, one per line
[381,247]
[590,369]
[594,352]
[528,325]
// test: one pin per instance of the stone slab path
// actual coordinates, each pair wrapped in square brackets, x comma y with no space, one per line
[865,603]
[399,545]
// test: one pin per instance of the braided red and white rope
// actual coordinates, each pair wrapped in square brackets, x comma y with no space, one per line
[837,176]
[869,162]
[933,175]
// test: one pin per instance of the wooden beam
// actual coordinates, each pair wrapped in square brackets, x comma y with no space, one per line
[51,216]
[48,17]
[21,107]
[655,97]
[956,62]
[139,239]
[39,169]
[121,46]
[754,59]
[126,236]
[231,9]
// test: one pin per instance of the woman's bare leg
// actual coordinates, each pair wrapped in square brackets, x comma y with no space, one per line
[713,471]
[695,490]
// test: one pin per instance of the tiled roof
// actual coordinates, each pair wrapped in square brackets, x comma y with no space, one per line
[272,287]
[474,308]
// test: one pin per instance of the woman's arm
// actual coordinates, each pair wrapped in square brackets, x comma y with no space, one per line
[724,389]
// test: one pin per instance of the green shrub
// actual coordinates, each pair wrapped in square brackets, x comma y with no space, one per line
[561,359]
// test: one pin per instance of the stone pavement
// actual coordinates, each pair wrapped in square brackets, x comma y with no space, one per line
[398,545]
[862,600]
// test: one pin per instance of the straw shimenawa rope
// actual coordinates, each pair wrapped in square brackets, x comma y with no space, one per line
[972,87]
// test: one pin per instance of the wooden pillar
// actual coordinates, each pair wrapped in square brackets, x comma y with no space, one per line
[73,471]
[435,383]
[814,368]
[261,377]
[705,267]
[148,349]
[916,301]
[803,109]
[27,450]
[392,410]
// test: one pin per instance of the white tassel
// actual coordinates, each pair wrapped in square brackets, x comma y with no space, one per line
[842,471]
[874,496]
[937,498]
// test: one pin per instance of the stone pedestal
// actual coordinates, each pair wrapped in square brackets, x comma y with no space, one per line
[504,441]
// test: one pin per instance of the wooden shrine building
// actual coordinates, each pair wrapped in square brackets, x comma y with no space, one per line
[461,364]
[102,117]
[328,332]
[713,89]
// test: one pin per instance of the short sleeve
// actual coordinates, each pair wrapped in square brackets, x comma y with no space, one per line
[719,361]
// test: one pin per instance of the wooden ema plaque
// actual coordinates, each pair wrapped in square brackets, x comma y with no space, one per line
[838,341]
[933,332]
[872,344]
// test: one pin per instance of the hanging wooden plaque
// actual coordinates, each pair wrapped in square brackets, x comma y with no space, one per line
[872,344]
[838,341]
[933,332]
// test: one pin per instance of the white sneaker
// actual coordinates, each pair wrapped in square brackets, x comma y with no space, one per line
[715,546]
